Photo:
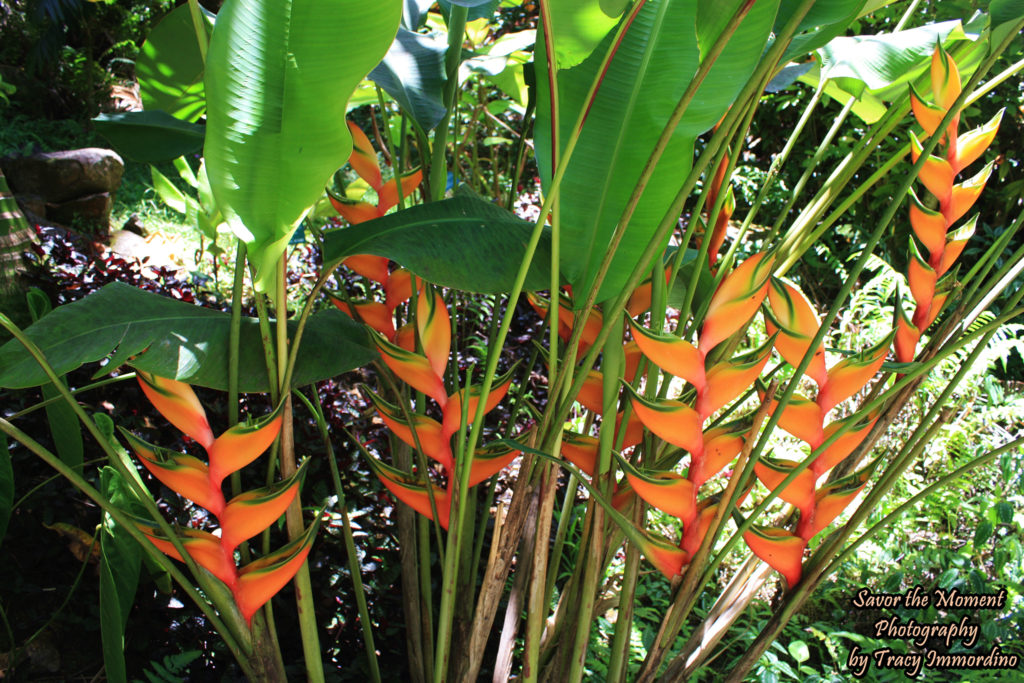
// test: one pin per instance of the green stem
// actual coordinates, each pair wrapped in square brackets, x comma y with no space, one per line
[72,392]
[354,569]
[452,60]
[200,28]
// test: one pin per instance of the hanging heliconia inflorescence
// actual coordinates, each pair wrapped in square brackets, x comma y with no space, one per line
[240,518]
[791,318]
[928,273]
[424,372]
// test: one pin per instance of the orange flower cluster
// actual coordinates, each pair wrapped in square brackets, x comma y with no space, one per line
[928,277]
[425,372]
[240,518]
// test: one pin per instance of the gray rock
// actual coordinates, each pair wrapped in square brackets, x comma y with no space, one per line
[92,211]
[62,176]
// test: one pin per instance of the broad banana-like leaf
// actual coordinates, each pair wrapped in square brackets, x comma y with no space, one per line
[170,66]
[412,72]
[659,49]
[278,78]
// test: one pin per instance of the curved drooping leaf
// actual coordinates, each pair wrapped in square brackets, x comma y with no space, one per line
[650,70]
[825,20]
[120,563]
[412,72]
[150,136]
[876,69]
[464,242]
[278,78]
[181,341]
[478,9]
[170,67]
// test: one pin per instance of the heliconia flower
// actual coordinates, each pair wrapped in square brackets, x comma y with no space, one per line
[793,317]
[178,404]
[670,353]
[631,360]
[667,491]
[930,228]
[364,158]
[368,265]
[186,475]
[721,226]
[204,548]
[799,492]
[373,313]
[399,287]
[405,337]
[844,445]
[634,432]
[927,114]
[673,421]
[413,492]
[452,412]
[354,212]
[736,300]
[693,535]
[945,78]
[591,394]
[666,558]
[936,174]
[721,445]
[729,379]
[490,460]
[580,450]
[261,579]
[971,145]
[566,317]
[830,501]
[955,246]
[435,330]
[781,549]
[965,194]
[428,433]
[640,300]
[922,278]
[413,369]
[387,196]
[850,375]
[802,418]
[907,335]
[249,513]
[241,444]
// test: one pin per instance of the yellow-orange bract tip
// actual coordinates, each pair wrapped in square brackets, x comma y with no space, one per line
[364,158]
[673,421]
[668,492]
[798,492]
[435,329]
[671,354]
[945,78]
[241,444]
[736,300]
[413,369]
[368,265]
[782,550]
[178,404]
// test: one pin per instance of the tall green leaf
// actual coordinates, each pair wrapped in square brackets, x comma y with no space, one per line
[277,80]
[647,75]
[412,72]
[464,242]
[120,561]
[170,66]
[174,339]
[150,136]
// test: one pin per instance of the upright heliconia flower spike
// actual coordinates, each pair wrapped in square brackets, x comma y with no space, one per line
[355,213]
[736,300]
[938,174]
[435,330]
[364,158]
[793,317]
[178,404]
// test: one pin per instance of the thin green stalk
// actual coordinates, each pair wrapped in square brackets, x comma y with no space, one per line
[452,60]
[202,42]
[234,337]
[293,515]
[18,503]
[72,392]
[354,569]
